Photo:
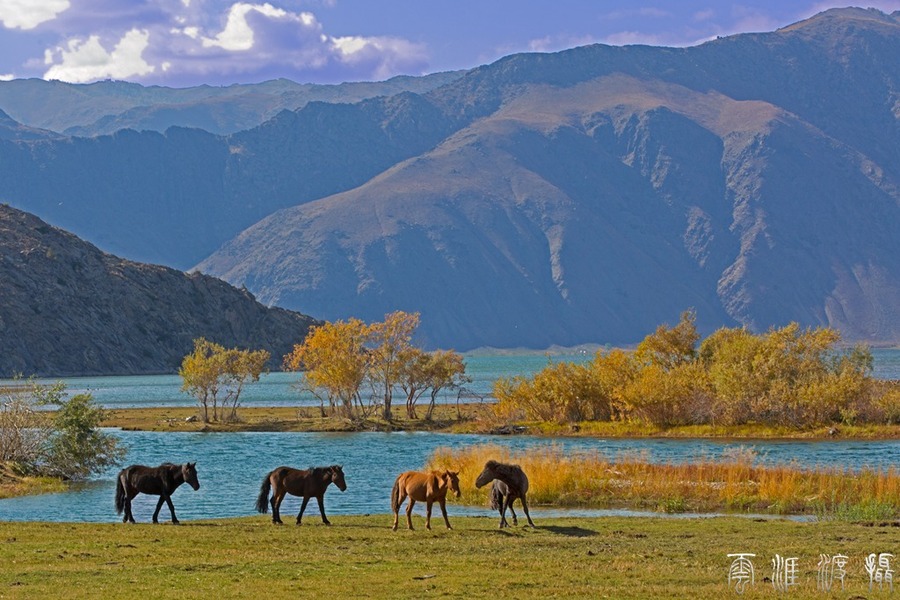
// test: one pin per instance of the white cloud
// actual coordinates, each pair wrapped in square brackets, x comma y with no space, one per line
[88,60]
[387,55]
[7,77]
[181,43]
[28,14]
[238,35]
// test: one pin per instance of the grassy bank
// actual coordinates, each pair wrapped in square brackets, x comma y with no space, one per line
[14,484]
[468,418]
[360,557]
[738,484]
[446,418]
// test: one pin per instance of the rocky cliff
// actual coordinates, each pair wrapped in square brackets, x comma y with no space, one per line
[66,308]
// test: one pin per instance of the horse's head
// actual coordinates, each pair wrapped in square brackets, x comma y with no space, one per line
[487,475]
[337,477]
[189,472]
[451,478]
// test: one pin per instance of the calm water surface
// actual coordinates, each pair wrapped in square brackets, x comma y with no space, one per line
[231,467]
[279,389]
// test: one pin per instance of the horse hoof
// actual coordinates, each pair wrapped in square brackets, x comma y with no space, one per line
[176,522]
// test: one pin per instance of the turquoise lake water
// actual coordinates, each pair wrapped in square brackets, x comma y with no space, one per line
[279,389]
[231,465]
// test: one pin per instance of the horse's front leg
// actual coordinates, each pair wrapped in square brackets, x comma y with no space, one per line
[158,507]
[428,504]
[525,507]
[171,509]
[321,499]
[409,510]
[302,508]
[443,502]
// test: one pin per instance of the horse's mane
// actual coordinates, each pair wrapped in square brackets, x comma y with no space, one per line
[321,470]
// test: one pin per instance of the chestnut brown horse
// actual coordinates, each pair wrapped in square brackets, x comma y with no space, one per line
[159,481]
[309,483]
[514,485]
[423,487]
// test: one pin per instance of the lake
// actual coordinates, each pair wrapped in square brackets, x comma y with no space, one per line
[231,465]
[279,389]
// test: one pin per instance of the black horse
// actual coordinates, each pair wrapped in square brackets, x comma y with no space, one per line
[307,483]
[159,481]
[510,482]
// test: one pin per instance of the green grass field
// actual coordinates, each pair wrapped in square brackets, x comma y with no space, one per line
[359,557]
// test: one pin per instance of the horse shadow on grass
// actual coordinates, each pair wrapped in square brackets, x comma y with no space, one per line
[577,532]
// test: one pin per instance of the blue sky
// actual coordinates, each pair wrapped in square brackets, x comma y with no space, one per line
[219,42]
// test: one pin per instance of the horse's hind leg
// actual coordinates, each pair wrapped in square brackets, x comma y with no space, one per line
[277,497]
[321,500]
[428,504]
[396,512]
[129,516]
[525,507]
[505,501]
[409,510]
[513,512]
[302,508]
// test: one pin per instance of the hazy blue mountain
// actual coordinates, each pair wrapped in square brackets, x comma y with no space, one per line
[604,189]
[105,107]
[66,308]
[580,196]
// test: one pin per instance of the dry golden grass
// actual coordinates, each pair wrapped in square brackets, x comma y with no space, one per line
[738,484]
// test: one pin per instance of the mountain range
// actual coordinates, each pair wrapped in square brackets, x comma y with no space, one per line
[574,197]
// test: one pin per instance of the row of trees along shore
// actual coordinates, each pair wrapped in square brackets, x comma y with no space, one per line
[788,376]
[352,367]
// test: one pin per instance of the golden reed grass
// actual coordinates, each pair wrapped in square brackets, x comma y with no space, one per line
[736,483]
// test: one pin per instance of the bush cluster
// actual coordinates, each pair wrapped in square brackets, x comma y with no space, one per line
[787,376]
[65,442]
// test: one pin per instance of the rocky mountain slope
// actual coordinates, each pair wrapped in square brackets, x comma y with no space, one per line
[580,196]
[603,189]
[66,308]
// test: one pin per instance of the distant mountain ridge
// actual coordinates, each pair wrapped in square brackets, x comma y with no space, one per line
[105,107]
[581,196]
[66,308]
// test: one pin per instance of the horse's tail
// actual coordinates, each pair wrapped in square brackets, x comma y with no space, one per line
[120,493]
[262,502]
[395,496]
[496,496]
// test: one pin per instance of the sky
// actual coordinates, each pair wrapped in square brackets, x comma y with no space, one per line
[181,43]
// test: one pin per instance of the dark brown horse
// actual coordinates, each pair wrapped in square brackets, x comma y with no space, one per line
[159,481]
[514,485]
[309,483]
[424,487]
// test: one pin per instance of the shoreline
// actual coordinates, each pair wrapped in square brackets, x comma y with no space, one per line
[471,418]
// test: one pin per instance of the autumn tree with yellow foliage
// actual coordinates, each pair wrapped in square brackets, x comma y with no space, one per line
[343,359]
[787,377]
[216,376]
